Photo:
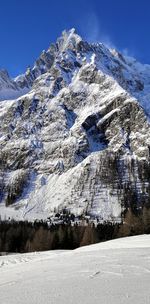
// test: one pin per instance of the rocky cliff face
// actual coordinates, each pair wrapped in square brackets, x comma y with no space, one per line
[80,138]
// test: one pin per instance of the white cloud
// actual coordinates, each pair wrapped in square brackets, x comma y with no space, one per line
[93,30]
[128,53]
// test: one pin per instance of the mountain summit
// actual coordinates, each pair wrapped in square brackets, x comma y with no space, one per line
[75,134]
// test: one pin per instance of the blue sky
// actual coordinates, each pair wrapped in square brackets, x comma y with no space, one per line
[27,27]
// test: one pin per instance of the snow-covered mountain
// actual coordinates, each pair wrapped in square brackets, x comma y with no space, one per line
[9,88]
[78,135]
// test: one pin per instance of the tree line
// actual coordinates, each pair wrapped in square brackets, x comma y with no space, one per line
[24,236]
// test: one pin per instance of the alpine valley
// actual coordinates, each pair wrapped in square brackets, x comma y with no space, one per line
[75,135]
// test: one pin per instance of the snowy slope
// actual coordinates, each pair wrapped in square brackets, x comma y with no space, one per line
[116,272]
[79,138]
[9,89]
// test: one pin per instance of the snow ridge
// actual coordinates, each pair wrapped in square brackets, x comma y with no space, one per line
[74,132]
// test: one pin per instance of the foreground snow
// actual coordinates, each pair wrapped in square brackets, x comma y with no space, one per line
[117,271]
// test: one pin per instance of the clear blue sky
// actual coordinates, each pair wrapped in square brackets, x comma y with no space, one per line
[29,26]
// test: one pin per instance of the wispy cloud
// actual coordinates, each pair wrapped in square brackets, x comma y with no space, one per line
[93,30]
[128,53]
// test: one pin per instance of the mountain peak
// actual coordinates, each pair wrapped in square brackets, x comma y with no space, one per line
[79,137]
[69,39]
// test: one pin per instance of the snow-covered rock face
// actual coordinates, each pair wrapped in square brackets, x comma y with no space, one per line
[80,138]
[9,88]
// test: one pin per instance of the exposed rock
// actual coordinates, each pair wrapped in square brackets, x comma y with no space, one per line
[82,128]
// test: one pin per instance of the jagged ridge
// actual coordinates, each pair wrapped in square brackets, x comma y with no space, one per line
[79,139]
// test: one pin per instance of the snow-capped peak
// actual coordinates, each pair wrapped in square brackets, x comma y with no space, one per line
[76,139]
